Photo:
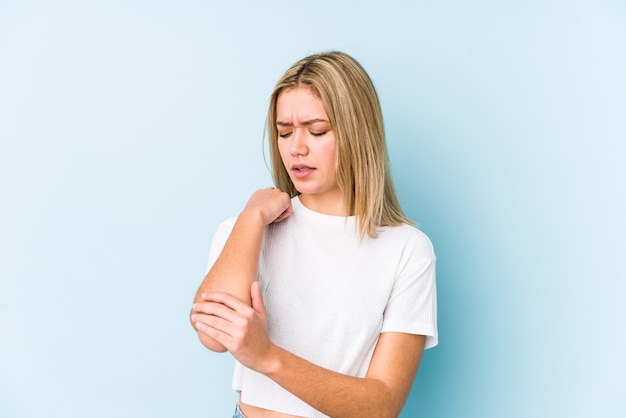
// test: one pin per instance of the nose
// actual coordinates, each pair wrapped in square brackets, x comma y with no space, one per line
[299,143]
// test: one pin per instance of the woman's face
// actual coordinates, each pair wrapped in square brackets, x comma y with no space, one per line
[306,143]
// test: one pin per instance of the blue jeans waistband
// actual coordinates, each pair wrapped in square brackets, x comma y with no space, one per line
[238,413]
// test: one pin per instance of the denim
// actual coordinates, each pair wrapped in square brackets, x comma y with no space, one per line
[238,413]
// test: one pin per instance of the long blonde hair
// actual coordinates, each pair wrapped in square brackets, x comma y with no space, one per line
[352,105]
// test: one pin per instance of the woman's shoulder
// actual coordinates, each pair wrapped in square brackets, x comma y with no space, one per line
[406,235]
[222,232]
[228,223]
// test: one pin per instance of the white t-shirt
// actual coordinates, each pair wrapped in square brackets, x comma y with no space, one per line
[328,295]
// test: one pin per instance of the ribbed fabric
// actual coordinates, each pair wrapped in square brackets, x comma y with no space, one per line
[328,296]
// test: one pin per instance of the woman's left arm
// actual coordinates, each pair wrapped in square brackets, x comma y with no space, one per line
[382,393]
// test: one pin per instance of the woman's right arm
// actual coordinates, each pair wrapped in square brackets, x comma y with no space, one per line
[236,268]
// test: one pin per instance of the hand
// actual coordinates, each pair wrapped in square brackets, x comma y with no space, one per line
[273,204]
[240,328]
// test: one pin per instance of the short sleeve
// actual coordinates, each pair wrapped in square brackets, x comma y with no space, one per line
[219,240]
[412,305]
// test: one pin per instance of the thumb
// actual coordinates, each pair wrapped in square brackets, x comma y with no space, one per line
[257,299]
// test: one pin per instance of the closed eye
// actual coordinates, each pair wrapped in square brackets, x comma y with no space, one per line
[284,135]
[319,133]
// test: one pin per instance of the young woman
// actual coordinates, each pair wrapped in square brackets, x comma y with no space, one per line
[321,288]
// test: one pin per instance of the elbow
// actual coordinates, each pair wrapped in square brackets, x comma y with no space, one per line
[391,410]
[394,414]
[391,402]
[211,343]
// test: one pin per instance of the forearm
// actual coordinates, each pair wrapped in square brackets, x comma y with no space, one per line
[236,268]
[333,393]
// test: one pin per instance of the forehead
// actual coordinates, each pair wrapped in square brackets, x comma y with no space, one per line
[298,104]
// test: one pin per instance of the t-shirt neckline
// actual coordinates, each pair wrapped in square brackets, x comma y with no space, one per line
[300,209]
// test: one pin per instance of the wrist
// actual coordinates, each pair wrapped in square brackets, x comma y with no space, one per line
[274,362]
[253,216]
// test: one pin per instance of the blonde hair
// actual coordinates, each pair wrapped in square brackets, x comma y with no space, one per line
[352,105]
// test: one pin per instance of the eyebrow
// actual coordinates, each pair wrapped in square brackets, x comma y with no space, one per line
[305,123]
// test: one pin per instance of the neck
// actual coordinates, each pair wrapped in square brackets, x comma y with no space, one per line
[327,205]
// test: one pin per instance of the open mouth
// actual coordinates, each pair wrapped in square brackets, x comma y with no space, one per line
[301,171]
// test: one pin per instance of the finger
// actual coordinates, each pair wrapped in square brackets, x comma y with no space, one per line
[280,218]
[215,309]
[257,298]
[284,215]
[226,299]
[223,325]
[213,327]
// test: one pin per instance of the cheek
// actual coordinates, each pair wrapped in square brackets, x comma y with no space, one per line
[330,153]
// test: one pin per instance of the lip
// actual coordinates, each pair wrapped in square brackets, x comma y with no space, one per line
[301,170]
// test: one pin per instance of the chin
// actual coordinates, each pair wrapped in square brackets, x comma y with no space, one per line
[303,189]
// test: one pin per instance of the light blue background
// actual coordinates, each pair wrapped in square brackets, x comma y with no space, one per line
[129,129]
